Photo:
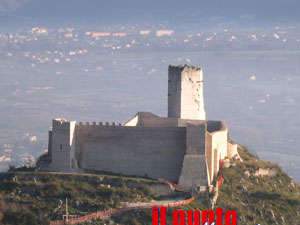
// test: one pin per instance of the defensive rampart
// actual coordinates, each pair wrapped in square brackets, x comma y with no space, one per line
[143,151]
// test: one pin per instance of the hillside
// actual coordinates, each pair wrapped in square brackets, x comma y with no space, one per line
[35,198]
[260,192]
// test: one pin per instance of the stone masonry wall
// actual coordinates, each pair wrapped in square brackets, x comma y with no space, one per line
[216,147]
[142,151]
[194,172]
[185,93]
[62,145]
[192,103]
[174,92]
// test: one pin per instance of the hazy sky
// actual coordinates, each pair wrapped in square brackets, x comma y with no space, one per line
[270,10]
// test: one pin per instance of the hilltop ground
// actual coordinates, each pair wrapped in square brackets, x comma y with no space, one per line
[260,192]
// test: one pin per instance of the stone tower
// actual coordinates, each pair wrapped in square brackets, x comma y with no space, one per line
[62,142]
[185,93]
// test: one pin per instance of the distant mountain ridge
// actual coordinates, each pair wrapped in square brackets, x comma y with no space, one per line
[11,5]
[142,9]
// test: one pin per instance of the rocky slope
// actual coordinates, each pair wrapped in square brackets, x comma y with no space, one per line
[260,192]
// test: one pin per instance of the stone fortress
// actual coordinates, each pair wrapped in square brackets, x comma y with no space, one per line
[183,148]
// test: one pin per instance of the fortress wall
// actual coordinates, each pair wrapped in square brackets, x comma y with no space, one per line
[60,152]
[159,122]
[195,137]
[220,142]
[209,156]
[194,173]
[155,152]
[216,160]
[92,125]
[50,144]
[62,145]
[216,150]
[146,119]
[184,122]
[194,166]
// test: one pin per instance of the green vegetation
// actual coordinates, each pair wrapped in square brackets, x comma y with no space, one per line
[29,198]
[273,199]
[269,200]
[35,198]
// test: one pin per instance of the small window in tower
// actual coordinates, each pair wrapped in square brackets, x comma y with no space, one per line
[60,146]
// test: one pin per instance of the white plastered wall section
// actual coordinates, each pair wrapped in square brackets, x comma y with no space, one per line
[216,150]
[132,122]
[192,103]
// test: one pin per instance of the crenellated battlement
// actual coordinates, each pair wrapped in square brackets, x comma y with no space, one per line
[184,67]
[98,124]
[62,124]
